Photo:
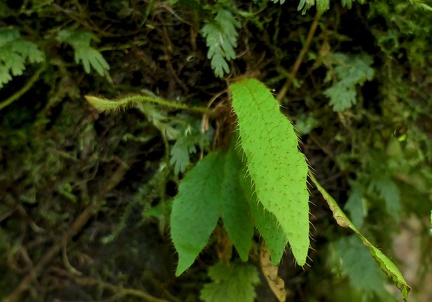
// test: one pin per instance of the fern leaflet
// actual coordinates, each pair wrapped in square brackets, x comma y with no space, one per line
[90,57]
[14,52]
[221,39]
[349,72]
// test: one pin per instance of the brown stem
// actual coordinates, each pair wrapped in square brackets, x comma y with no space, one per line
[300,58]
[82,219]
[118,290]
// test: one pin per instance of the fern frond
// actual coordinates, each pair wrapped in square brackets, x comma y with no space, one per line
[321,5]
[350,71]
[221,39]
[421,5]
[14,52]
[89,56]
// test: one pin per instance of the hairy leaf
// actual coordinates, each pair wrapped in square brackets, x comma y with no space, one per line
[234,206]
[232,283]
[209,191]
[195,210]
[274,163]
[266,223]
[104,105]
[386,265]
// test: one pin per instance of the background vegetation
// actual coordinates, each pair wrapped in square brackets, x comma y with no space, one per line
[86,197]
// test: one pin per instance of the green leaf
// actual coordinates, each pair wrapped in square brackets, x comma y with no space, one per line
[221,39]
[357,263]
[305,5]
[386,265]
[388,191]
[90,57]
[349,72]
[347,3]
[195,210]
[278,169]
[232,283]
[234,206]
[14,52]
[183,146]
[210,190]
[322,5]
[265,222]
[189,137]
[356,207]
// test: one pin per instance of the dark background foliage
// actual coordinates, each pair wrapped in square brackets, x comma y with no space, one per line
[85,197]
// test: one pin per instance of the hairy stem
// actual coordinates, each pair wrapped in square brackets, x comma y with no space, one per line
[106,105]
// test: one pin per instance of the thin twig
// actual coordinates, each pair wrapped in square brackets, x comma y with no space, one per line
[300,58]
[24,89]
[118,290]
[82,219]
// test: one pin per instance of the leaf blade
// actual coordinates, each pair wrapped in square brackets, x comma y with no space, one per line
[231,283]
[195,210]
[386,265]
[235,210]
[277,168]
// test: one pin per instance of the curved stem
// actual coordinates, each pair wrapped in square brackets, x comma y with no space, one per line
[108,105]
[24,89]
[172,104]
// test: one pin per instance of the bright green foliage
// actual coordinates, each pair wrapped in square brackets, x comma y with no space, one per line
[389,268]
[14,52]
[195,210]
[221,39]
[278,169]
[305,5]
[322,5]
[422,5]
[90,57]
[265,222]
[386,265]
[209,191]
[104,105]
[357,263]
[349,72]
[185,130]
[234,207]
[231,283]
